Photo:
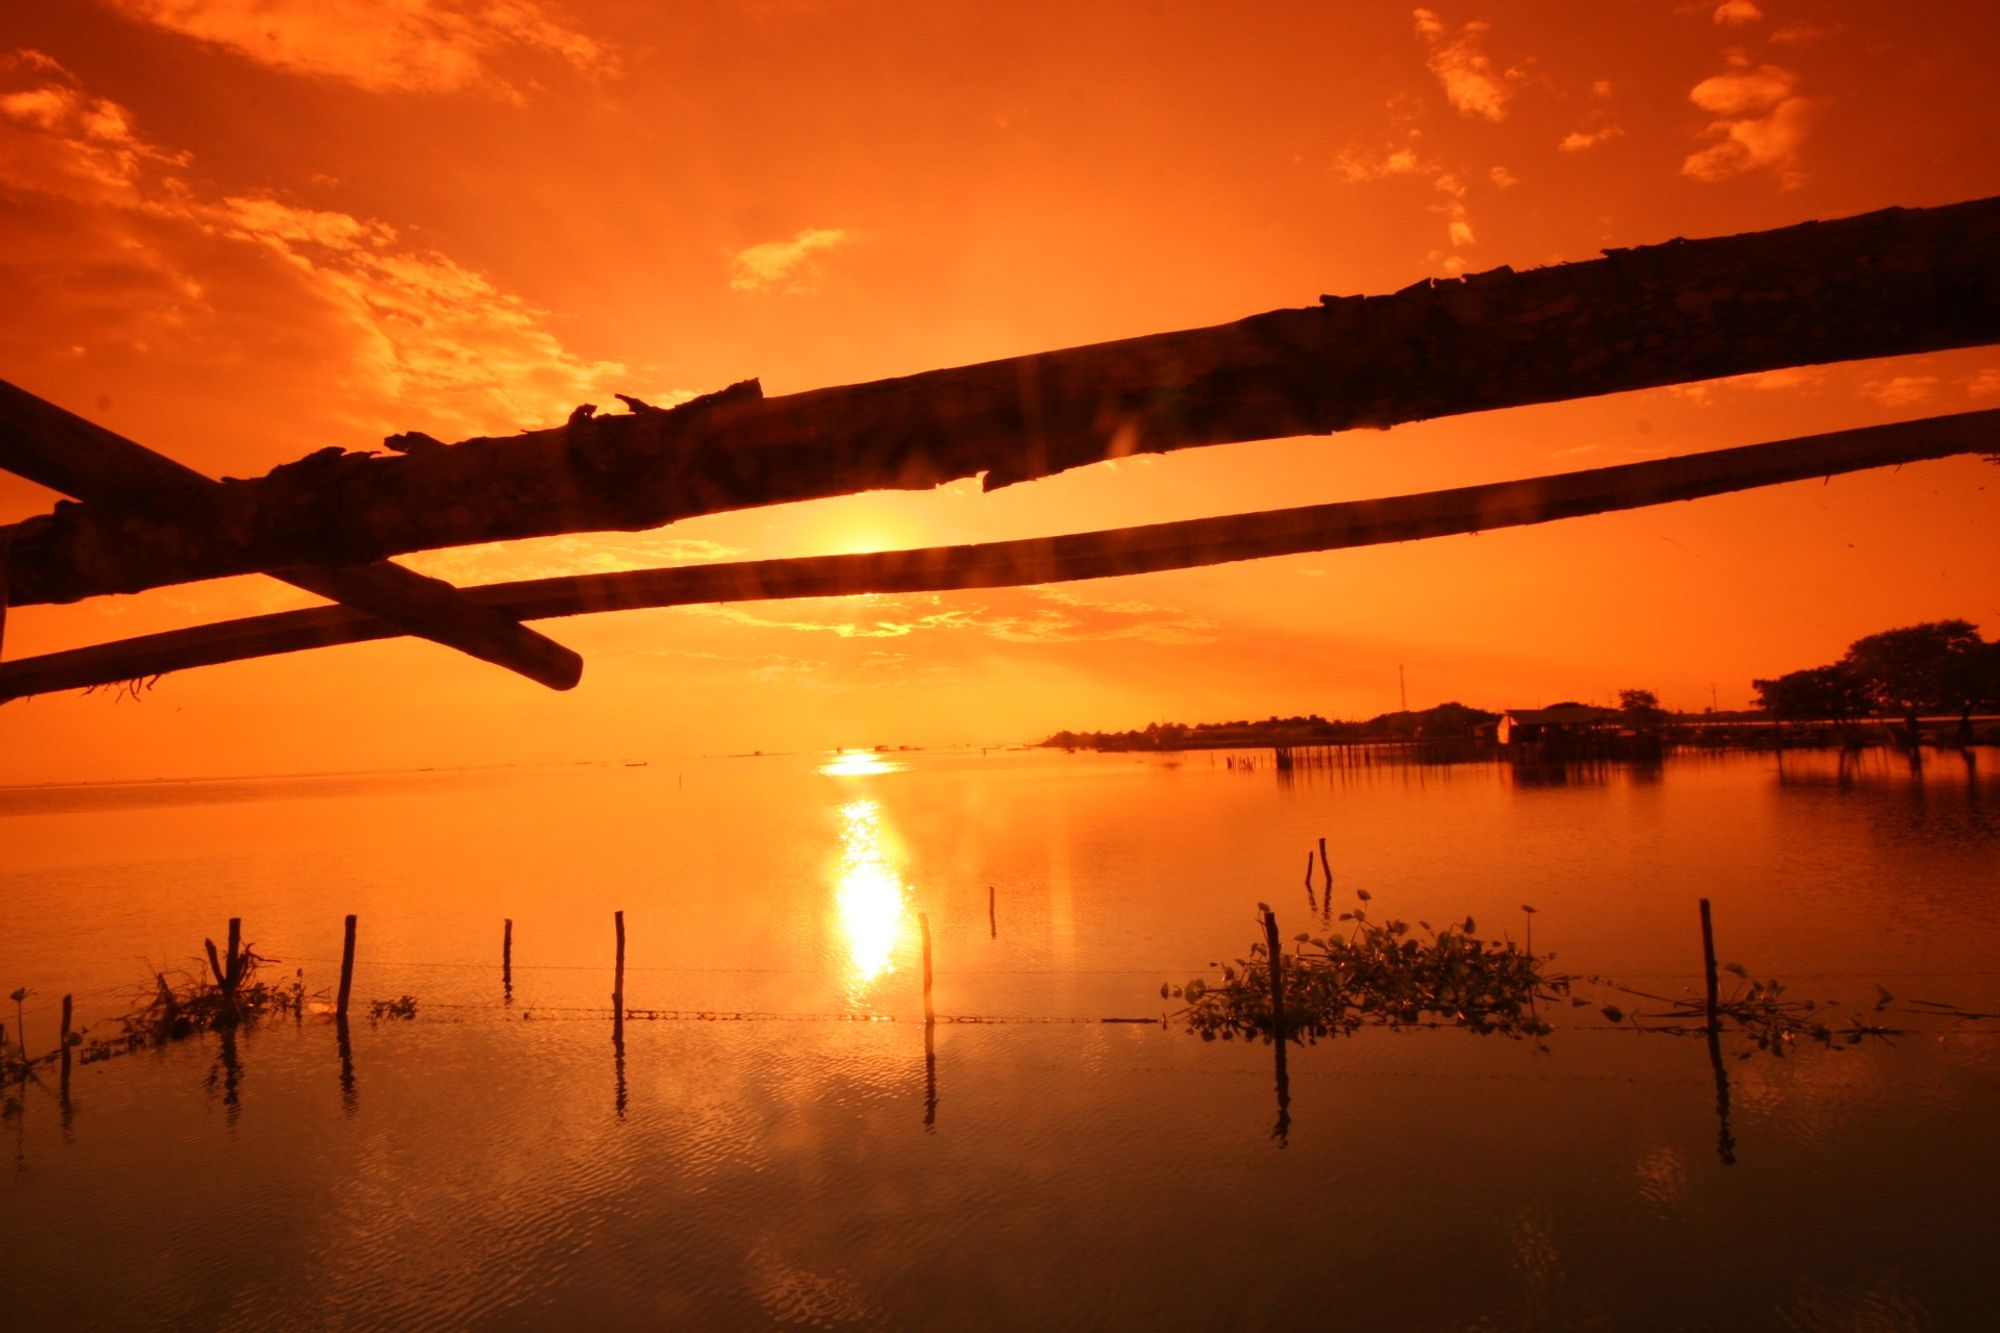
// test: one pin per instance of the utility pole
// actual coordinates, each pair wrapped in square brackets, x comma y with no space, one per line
[1711,697]
[1402,687]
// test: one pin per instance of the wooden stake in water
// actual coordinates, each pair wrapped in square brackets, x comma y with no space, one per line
[1324,868]
[65,1050]
[1275,951]
[1708,965]
[346,969]
[618,982]
[992,916]
[924,926]
[507,959]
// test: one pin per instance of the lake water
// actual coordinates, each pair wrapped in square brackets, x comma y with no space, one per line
[781,1144]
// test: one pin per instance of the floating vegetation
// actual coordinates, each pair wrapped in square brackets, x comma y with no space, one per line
[403,1009]
[1759,1010]
[1379,975]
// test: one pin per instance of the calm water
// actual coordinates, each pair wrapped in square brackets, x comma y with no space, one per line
[761,1157]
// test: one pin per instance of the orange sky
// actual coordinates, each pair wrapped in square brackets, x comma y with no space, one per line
[238,230]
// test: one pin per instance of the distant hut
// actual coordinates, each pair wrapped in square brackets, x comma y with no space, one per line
[1558,724]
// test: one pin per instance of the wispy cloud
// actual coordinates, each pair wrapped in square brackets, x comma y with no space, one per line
[782,265]
[1761,123]
[1463,69]
[396,329]
[1023,616]
[381,45]
[1577,141]
[1736,13]
[1902,390]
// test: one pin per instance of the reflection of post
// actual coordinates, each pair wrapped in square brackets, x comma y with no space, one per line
[232,1074]
[618,983]
[348,1101]
[1275,953]
[618,1070]
[930,1029]
[1725,1142]
[507,960]
[346,969]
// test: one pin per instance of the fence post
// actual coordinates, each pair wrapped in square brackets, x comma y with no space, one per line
[618,982]
[346,969]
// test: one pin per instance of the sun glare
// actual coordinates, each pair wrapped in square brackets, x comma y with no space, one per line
[871,895]
[858,764]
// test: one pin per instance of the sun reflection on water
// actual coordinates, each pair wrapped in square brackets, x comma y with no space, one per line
[871,895]
[858,764]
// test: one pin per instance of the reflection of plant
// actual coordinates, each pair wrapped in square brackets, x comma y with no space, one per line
[1378,975]
[403,1008]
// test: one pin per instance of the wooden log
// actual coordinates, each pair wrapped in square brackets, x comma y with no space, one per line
[1149,548]
[67,453]
[346,968]
[1889,283]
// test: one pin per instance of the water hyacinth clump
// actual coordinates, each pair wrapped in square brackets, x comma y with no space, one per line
[1380,974]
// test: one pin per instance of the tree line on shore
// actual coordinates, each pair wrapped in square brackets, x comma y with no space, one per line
[1938,667]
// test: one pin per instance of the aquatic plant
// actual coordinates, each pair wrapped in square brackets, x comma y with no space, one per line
[197,1003]
[1378,974]
[403,1008]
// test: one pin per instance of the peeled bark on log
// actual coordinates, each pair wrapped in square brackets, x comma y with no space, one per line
[67,453]
[1088,555]
[1883,284]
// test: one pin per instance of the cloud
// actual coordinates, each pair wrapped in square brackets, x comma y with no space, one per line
[1462,68]
[1576,141]
[782,265]
[389,331]
[1736,13]
[1761,124]
[1502,178]
[1353,166]
[1902,390]
[392,46]
[1021,616]
[1983,384]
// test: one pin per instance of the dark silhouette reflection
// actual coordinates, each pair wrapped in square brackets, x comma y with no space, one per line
[618,1069]
[1282,1131]
[1725,1142]
[930,1074]
[228,1074]
[1532,772]
[349,1102]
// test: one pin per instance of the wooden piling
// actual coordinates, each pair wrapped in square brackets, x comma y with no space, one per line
[66,1010]
[924,926]
[618,981]
[1708,965]
[992,916]
[1276,952]
[1324,869]
[346,969]
[507,958]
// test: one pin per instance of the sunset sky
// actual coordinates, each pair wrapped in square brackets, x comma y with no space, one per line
[240,230]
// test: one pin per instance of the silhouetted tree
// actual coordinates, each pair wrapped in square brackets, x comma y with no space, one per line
[1934,665]
[1831,693]
[1641,709]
